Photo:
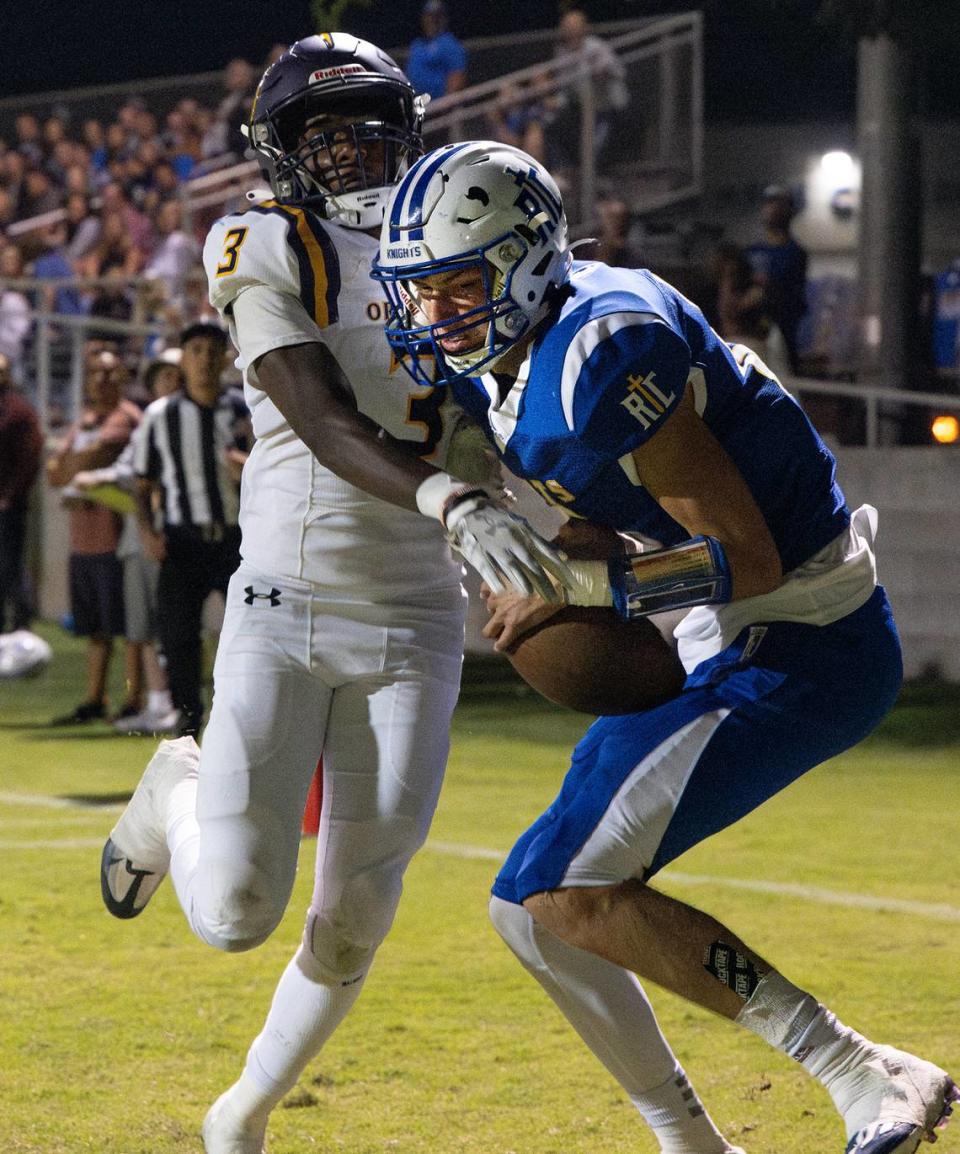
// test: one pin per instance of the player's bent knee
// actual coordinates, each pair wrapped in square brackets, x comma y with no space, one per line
[567,913]
[238,912]
[344,938]
[514,924]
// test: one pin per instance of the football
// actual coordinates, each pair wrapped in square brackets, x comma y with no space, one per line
[593,661]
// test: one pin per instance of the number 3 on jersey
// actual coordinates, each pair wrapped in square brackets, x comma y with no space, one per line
[231,250]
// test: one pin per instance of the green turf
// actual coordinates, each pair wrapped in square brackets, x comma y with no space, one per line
[116,1036]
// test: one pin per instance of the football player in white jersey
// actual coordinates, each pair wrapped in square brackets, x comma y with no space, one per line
[344,624]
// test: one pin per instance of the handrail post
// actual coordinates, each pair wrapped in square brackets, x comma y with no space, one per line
[43,361]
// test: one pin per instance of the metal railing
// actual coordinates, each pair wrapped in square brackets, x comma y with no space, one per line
[872,399]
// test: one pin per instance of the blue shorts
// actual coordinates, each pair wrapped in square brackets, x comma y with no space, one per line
[644,787]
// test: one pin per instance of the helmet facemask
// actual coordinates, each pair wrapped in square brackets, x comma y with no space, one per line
[477,205]
[498,321]
[340,152]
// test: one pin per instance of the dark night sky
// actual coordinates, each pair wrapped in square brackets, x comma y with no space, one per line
[779,67]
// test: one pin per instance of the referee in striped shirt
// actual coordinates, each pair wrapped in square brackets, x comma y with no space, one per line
[188,455]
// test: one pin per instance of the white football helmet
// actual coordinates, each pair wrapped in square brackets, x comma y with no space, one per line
[23,653]
[475,205]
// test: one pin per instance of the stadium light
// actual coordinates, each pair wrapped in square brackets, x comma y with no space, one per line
[945,429]
[839,169]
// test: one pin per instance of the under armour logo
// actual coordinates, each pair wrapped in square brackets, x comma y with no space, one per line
[251,595]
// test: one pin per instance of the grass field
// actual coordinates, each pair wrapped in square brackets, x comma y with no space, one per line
[116,1036]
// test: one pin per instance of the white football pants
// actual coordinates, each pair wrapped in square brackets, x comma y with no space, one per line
[372,687]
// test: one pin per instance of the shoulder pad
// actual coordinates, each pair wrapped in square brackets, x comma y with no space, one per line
[623,374]
[275,245]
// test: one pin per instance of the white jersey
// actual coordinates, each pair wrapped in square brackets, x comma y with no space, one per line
[280,276]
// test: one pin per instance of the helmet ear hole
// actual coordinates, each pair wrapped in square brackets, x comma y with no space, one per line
[543,264]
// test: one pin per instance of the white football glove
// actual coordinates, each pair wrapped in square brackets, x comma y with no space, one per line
[504,549]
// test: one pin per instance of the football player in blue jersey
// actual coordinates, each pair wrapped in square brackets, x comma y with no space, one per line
[608,391]
[343,629]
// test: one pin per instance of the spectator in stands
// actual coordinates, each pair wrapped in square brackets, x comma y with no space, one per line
[741,308]
[93,135]
[780,267]
[79,177]
[8,210]
[21,450]
[53,263]
[14,310]
[584,59]
[12,178]
[177,253]
[195,443]
[54,133]
[27,129]
[519,117]
[437,64]
[114,249]
[165,180]
[83,227]
[223,137]
[615,245]
[96,576]
[39,193]
[139,228]
[128,117]
[58,160]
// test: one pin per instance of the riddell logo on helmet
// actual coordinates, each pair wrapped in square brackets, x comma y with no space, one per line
[341,70]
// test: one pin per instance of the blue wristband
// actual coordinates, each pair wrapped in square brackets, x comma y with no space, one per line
[694,573]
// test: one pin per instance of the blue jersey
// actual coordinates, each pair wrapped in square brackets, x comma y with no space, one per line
[607,374]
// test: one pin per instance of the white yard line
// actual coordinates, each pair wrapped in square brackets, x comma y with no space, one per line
[41,801]
[59,843]
[938,911]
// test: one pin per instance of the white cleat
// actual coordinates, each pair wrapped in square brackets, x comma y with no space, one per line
[224,1133]
[905,1101]
[149,721]
[135,857]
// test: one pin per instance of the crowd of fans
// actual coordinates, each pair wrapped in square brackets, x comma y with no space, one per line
[101,200]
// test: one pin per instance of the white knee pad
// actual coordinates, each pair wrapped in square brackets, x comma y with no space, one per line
[343,938]
[240,909]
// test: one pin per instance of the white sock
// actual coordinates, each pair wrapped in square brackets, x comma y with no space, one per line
[183,841]
[304,1013]
[608,1008]
[159,701]
[676,1116]
[797,1024]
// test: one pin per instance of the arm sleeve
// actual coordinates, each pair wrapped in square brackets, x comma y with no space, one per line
[624,373]
[281,248]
